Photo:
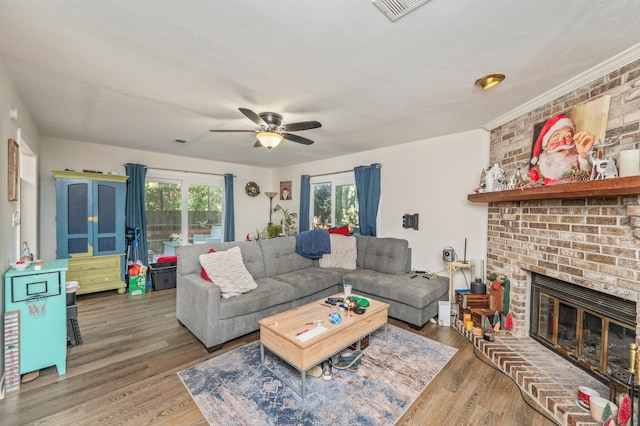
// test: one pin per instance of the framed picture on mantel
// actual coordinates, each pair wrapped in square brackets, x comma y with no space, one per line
[14,172]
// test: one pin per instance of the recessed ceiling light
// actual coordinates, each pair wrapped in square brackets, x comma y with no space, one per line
[488,81]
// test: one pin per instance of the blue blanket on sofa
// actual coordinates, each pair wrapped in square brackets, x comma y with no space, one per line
[313,244]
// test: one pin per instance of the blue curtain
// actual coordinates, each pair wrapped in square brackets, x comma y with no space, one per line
[305,200]
[229,215]
[135,208]
[368,192]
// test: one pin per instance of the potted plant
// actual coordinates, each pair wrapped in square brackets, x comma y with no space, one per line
[288,221]
[274,230]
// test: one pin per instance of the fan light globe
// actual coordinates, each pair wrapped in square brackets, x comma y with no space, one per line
[269,139]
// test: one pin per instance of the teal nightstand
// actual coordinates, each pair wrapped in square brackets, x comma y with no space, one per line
[40,297]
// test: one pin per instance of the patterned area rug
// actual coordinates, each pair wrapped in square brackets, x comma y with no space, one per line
[234,389]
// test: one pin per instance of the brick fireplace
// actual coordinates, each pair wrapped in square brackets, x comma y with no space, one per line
[586,234]
[590,242]
[587,238]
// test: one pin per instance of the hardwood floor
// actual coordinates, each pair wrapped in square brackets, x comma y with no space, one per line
[125,373]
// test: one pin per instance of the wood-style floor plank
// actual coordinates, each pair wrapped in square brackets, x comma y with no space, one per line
[125,373]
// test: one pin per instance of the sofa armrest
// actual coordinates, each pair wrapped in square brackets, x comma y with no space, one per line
[198,308]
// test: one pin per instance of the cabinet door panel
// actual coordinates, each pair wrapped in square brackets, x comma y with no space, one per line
[73,232]
[109,200]
[78,208]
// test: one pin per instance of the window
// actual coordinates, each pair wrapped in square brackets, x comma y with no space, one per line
[334,202]
[169,225]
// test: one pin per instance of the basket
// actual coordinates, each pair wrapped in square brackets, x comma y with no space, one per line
[163,275]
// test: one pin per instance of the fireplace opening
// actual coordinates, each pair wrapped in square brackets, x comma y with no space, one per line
[591,329]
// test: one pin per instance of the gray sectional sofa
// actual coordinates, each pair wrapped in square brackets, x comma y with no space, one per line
[286,280]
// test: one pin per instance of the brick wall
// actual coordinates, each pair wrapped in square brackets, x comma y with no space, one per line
[593,242]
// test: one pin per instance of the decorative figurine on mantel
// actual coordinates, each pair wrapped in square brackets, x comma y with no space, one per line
[517,180]
[483,177]
[602,168]
[495,179]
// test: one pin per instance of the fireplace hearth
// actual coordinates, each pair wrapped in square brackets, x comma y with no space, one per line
[590,328]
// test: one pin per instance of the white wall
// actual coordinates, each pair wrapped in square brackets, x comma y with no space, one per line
[431,177]
[12,129]
[61,154]
[20,130]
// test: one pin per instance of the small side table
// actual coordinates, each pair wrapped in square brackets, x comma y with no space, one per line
[453,267]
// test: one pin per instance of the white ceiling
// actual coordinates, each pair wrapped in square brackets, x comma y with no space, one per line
[141,73]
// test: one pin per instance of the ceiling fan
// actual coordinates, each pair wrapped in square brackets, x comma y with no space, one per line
[272,131]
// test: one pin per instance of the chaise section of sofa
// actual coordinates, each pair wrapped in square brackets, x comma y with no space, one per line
[383,267]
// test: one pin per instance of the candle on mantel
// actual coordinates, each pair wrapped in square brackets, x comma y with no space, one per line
[629,163]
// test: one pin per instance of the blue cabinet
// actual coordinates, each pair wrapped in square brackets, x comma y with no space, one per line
[89,215]
[40,298]
[90,229]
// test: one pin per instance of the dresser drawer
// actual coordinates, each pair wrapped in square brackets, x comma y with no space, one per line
[95,262]
[97,273]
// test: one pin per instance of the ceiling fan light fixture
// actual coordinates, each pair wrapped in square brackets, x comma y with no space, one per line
[489,81]
[269,139]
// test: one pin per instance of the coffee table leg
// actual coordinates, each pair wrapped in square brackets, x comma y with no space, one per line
[303,389]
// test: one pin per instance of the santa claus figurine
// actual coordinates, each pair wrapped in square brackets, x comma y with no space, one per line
[559,149]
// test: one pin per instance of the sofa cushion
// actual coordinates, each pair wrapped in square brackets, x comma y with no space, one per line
[310,280]
[280,256]
[361,248]
[228,272]
[268,294]
[343,253]
[417,292]
[188,257]
[388,255]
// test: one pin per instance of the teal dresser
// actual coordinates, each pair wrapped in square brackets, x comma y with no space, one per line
[40,297]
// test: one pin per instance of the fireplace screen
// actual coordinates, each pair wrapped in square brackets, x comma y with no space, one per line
[590,328]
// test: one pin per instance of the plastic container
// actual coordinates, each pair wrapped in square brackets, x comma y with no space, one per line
[71,288]
[163,275]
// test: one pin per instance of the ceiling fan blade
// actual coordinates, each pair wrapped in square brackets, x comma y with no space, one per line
[257,144]
[303,125]
[296,138]
[253,116]
[232,131]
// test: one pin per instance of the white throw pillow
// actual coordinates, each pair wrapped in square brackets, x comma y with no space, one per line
[343,253]
[228,272]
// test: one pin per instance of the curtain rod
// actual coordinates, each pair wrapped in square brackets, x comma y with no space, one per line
[378,165]
[184,171]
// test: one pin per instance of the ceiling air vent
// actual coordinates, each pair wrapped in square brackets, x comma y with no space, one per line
[396,9]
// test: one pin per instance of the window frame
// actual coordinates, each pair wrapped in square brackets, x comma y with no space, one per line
[335,179]
[186,179]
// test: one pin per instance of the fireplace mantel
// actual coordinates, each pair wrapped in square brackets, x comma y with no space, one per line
[591,189]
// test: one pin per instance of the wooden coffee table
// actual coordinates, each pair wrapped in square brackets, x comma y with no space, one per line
[278,333]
